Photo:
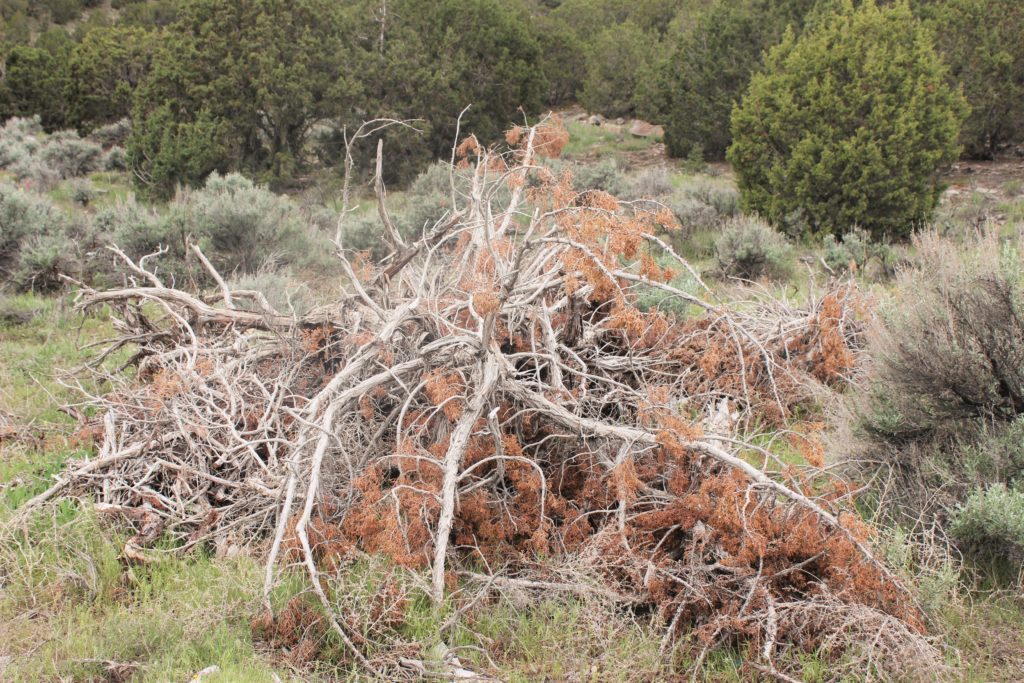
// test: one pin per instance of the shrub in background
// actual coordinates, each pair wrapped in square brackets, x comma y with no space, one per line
[35,174]
[19,140]
[43,258]
[951,347]
[285,294]
[41,161]
[701,205]
[427,200]
[138,230]
[850,124]
[23,215]
[69,155]
[38,241]
[82,192]
[990,523]
[941,411]
[721,196]
[112,134]
[114,159]
[706,68]
[164,151]
[749,248]
[605,175]
[650,183]
[854,251]
[34,84]
[240,224]
[694,215]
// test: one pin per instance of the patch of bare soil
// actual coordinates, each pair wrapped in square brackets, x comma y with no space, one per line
[995,182]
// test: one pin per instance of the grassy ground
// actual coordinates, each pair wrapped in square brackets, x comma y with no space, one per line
[595,142]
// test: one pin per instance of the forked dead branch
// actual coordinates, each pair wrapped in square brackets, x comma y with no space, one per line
[492,396]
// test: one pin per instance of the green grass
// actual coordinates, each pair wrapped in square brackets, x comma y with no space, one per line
[39,338]
[72,607]
[551,640]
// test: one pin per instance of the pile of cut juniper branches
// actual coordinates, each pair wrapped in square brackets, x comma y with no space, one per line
[490,395]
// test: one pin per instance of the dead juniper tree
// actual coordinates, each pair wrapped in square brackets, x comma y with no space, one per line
[491,394]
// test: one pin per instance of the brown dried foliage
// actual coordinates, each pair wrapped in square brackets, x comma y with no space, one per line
[543,472]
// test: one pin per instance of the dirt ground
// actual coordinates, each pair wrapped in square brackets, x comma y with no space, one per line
[991,185]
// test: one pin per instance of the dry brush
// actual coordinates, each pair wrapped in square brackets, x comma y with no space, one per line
[491,396]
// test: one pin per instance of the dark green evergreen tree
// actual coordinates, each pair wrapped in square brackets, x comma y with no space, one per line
[103,72]
[849,125]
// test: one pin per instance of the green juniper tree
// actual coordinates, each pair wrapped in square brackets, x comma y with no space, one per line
[103,72]
[849,125]
[707,65]
[35,81]
[983,43]
[240,83]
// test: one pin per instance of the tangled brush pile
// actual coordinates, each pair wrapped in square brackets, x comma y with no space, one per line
[490,395]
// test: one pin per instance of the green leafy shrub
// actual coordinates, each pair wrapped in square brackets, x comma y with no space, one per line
[34,84]
[165,151]
[991,523]
[564,58]
[854,251]
[706,67]
[850,124]
[749,248]
[69,155]
[104,69]
[242,225]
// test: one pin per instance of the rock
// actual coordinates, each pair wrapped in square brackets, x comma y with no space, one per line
[642,129]
[595,120]
[620,121]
